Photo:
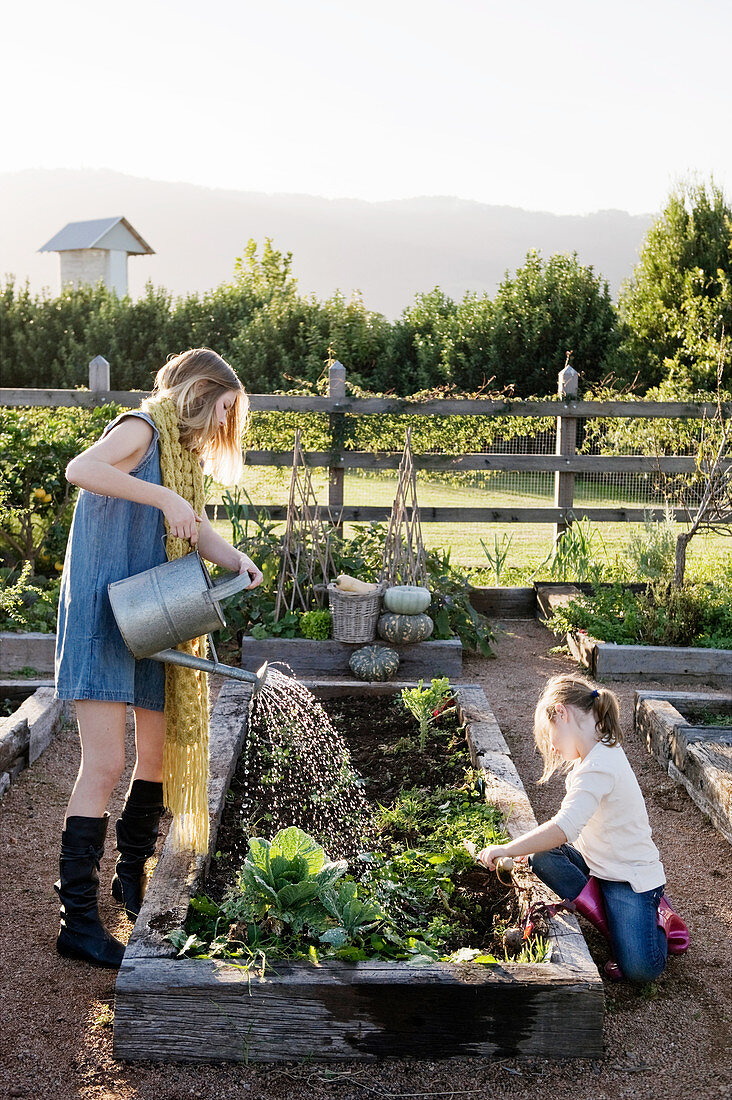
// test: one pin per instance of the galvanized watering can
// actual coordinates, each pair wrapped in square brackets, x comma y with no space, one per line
[173,603]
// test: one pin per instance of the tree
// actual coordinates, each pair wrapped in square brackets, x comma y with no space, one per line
[415,356]
[680,289]
[545,310]
[707,494]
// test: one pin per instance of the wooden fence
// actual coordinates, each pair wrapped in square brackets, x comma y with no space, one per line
[565,464]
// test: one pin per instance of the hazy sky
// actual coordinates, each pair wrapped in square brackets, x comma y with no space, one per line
[568,106]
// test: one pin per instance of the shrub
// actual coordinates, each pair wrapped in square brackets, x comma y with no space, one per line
[36,445]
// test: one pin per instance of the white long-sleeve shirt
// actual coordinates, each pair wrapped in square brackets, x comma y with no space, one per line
[603,814]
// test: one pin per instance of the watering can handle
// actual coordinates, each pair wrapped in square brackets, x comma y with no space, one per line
[229,588]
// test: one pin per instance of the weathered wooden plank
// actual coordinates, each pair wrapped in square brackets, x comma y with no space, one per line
[21,686]
[357,1012]
[663,728]
[584,650]
[13,739]
[485,733]
[389,460]
[551,596]
[29,650]
[370,513]
[628,661]
[83,399]
[369,405]
[707,778]
[505,603]
[696,757]
[307,657]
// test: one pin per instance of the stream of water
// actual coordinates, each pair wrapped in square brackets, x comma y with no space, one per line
[297,766]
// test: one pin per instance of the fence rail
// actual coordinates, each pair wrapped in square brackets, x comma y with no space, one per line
[565,465]
[366,406]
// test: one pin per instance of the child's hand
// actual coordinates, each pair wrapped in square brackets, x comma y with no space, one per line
[246,565]
[182,520]
[488,856]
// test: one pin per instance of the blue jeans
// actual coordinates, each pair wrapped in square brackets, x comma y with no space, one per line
[639,945]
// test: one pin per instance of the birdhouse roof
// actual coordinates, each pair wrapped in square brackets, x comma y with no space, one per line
[110,233]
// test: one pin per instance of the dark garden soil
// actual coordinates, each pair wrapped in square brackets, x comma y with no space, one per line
[671,1040]
[382,739]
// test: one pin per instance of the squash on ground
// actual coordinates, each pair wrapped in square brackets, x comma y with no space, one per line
[374,662]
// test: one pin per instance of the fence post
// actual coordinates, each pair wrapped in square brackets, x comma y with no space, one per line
[99,374]
[566,446]
[337,421]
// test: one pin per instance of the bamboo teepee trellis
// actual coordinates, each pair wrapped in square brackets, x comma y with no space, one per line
[404,559]
[306,555]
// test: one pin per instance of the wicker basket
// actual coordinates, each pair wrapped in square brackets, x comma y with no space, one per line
[354,616]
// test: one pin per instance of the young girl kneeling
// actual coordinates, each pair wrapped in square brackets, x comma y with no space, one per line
[142,479]
[596,853]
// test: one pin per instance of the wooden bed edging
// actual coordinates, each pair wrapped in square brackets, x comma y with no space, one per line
[307,657]
[28,731]
[607,661]
[198,1010]
[698,758]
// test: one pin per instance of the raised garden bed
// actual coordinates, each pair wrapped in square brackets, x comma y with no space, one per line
[170,1009]
[28,729]
[611,661]
[696,754]
[29,650]
[313,658]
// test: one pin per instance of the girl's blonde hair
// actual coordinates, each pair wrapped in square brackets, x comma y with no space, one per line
[583,695]
[194,381]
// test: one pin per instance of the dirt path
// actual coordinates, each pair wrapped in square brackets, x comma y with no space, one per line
[672,1039]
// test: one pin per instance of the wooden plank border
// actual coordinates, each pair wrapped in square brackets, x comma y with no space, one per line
[697,758]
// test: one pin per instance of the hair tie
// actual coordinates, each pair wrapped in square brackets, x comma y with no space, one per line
[595,693]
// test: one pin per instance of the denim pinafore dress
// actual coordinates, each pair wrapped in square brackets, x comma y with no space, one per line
[110,539]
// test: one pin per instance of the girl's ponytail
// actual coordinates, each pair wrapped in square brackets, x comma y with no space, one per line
[607,715]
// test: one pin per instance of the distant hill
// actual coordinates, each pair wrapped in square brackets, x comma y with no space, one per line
[387,250]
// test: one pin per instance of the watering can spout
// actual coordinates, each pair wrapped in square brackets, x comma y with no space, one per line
[187,660]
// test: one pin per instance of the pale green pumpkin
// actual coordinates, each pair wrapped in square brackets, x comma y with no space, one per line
[407,599]
[374,662]
[403,629]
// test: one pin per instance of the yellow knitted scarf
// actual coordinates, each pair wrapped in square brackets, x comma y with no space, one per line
[185,756]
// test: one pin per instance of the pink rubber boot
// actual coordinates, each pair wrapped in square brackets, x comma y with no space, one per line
[677,934]
[589,902]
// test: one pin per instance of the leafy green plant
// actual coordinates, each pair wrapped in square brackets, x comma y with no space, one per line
[651,550]
[696,615]
[575,554]
[284,880]
[28,603]
[451,609]
[426,704]
[36,445]
[498,555]
[316,624]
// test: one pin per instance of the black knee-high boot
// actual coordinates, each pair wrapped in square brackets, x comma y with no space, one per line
[82,935]
[137,832]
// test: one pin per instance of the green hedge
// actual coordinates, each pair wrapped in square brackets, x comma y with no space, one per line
[277,338]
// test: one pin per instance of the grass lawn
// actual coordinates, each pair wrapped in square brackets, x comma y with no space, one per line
[530,543]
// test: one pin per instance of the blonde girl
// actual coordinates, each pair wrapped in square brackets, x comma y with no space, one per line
[141,481]
[597,853]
